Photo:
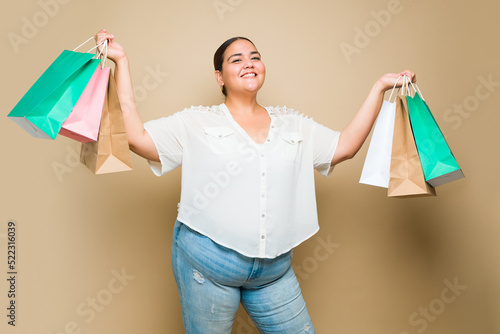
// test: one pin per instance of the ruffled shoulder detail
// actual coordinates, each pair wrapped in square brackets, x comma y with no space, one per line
[216,110]
[282,111]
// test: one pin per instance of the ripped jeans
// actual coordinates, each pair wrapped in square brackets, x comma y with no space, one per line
[212,281]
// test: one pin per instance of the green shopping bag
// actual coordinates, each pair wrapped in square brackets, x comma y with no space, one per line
[50,100]
[438,163]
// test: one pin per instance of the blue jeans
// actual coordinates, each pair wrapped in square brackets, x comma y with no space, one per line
[212,281]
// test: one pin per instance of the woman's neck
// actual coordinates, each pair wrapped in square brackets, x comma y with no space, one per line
[242,105]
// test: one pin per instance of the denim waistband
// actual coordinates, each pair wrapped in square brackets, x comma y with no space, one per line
[224,265]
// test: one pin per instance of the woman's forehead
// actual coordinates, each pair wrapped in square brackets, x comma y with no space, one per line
[240,46]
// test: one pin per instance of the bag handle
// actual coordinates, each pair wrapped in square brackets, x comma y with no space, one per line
[416,89]
[406,85]
[405,89]
[100,55]
[79,46]
[105,46]
[393,88]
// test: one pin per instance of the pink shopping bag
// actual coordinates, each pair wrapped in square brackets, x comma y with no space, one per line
[83,122]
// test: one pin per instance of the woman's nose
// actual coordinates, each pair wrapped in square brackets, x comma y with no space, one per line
[248,64]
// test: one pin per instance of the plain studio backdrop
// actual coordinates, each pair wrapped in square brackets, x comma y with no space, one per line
[93,252]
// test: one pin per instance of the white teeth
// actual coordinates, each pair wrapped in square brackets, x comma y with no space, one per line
[249,75]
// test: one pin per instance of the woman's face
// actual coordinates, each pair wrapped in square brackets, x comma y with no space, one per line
[242,69]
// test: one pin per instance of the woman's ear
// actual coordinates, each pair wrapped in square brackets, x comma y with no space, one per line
[218,77]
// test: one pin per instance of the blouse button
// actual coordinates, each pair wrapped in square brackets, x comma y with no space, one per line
[220,136]
[268,140]
[293,141]
[263,215]
[272,126]
[263,174]
[263,237]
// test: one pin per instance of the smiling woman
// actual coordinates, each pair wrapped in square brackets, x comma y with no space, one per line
[248,195]
[240,72]
[234,58]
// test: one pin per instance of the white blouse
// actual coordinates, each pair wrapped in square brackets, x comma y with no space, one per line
[258,200]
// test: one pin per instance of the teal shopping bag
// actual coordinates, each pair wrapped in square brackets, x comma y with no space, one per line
[438,163]
[50,100]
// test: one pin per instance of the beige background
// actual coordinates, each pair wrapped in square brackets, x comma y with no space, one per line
[391,258]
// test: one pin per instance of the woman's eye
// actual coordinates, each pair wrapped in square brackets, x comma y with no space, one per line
[256,58]
[236,60]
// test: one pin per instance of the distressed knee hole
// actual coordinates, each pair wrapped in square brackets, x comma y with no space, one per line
[198,277]
[307,328]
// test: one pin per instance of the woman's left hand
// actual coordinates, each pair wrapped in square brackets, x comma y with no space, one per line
[388,81]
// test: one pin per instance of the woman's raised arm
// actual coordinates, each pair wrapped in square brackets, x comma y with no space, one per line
[140,141]
[355,133]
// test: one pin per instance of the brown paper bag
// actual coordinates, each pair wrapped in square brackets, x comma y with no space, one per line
[110,153]
[407,177]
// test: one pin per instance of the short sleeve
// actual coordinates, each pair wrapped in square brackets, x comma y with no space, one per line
[167,136]
[325,143]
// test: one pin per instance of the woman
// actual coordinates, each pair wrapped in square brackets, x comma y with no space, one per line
[247,190]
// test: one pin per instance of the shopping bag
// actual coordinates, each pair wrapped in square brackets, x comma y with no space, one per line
[110,153]
[407,177]
[377,166]
[83,122]
[438,162]
[48,103]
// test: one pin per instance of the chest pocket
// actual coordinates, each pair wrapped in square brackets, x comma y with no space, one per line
[290,145]
[221,140]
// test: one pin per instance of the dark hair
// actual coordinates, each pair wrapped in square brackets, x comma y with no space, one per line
[220,53]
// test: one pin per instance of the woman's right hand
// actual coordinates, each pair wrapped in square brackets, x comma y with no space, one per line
[115,50]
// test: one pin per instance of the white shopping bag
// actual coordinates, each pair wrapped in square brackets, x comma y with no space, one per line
[377,167]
